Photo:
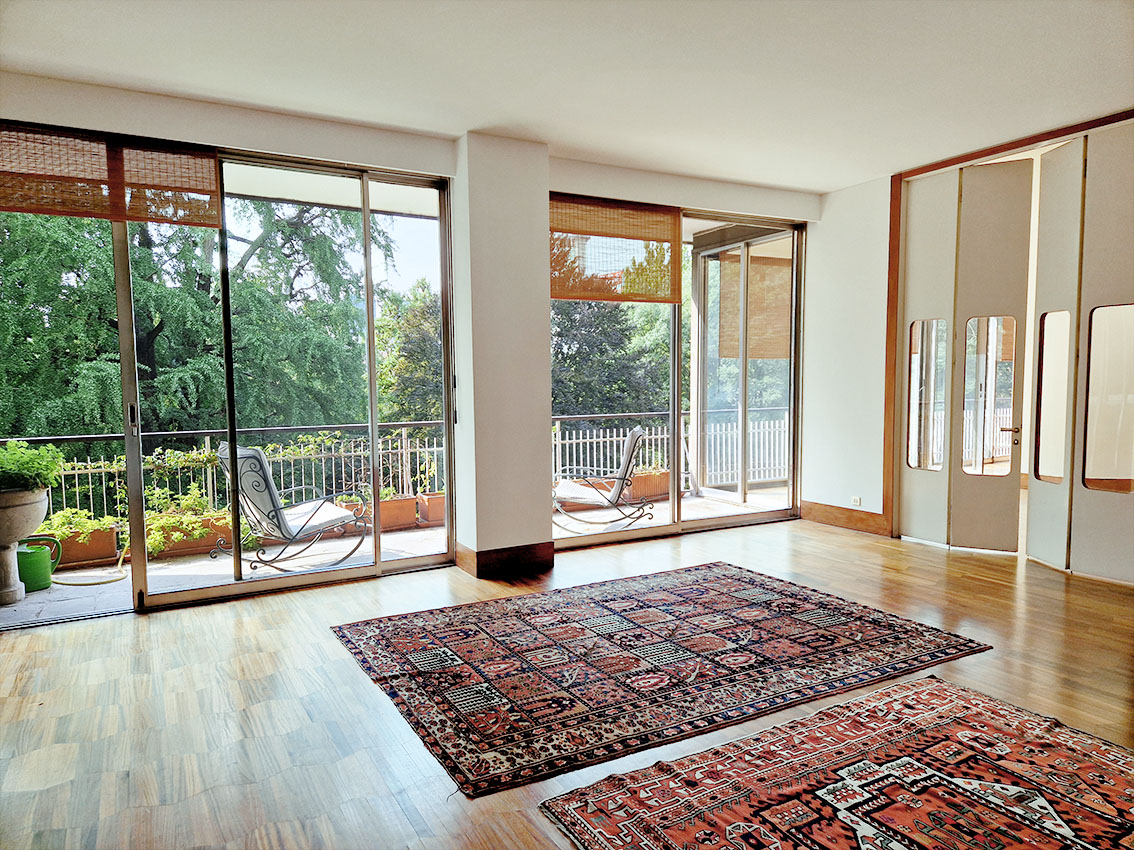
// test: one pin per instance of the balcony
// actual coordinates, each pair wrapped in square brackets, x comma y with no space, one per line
[186,496]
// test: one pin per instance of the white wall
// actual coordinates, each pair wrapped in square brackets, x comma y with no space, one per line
[650,187]
[502,336]
[844,348]
[49,101]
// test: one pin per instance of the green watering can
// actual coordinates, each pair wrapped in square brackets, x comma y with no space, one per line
[37,563]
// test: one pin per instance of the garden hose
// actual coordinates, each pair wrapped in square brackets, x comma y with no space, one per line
[121,575]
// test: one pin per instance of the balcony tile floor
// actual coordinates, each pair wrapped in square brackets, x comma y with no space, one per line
[65,601]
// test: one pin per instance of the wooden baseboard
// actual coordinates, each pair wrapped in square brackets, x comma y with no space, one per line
[845,518]
[509,562]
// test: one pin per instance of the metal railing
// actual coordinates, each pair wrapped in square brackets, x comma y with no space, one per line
[409,457]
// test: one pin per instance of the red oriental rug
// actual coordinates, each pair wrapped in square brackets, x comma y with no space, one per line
[509,691]
[922,764]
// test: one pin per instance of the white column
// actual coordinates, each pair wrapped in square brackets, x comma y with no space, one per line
[501,352]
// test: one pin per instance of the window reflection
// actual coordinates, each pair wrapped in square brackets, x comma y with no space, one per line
[928,354]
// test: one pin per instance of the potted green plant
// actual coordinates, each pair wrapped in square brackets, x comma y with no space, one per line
[25,475]
[87,540]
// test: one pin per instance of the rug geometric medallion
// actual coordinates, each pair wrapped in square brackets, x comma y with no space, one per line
[922,765]
[509,691]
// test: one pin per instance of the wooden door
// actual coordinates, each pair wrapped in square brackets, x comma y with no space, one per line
[988,323]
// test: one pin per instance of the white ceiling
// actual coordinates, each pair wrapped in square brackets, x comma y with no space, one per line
[807,94]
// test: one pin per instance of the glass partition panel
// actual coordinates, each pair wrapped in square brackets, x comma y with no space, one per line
[929,349]
[1109,450]
[987,428]
[296,279]
[1051,402]
[720,415]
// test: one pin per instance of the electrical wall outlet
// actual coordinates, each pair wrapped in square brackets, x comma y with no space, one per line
[856,501]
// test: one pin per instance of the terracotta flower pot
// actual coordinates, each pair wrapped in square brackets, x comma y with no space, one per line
[394,514]
[431,509]
[214,530]
[100,549]
[652,485]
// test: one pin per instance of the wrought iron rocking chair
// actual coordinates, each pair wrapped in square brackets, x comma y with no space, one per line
[304,522]
[603,489]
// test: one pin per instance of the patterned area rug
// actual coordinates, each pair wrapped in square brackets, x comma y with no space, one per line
[509,691]
[922,764]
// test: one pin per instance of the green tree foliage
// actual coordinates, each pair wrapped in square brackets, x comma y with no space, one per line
[606,357]
[58,339]
[297,317]
[408,346]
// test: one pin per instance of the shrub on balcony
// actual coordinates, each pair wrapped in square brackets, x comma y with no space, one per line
[87,540]
[173,518]
[25,468]
[76,524]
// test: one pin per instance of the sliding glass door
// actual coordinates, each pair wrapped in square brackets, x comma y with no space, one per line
[243,362]
[616,291]
[60,386]
[313,435]
[740,460]
[411,351]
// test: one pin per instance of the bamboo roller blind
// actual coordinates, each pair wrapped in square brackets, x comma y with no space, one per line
[613,251]
[61,173]
[769,307]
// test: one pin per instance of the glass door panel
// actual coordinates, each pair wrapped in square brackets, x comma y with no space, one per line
[298,307]
[182,415]
[987,430]
[410,352]
[610,376]
[741,441]
[716,458]
[769,374]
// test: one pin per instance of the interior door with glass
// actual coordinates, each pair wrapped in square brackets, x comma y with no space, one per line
[989,309]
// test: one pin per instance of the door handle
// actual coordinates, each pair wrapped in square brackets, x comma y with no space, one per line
[1013,430]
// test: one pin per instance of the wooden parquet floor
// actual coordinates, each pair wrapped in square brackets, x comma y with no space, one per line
[245,724]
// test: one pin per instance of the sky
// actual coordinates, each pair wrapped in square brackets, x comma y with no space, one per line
[417,253]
